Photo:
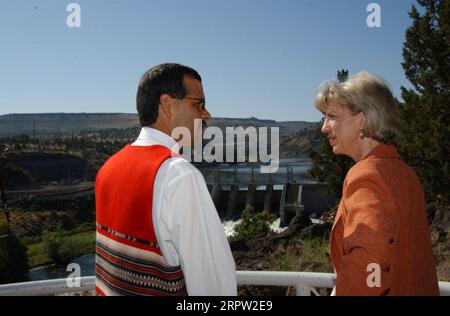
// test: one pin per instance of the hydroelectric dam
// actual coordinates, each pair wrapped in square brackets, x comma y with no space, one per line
[287,192]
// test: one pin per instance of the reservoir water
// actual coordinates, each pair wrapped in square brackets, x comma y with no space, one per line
[54,271]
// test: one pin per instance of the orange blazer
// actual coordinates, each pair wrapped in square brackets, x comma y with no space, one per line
[380,242]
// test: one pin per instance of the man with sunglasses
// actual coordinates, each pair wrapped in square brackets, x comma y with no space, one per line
[158,232]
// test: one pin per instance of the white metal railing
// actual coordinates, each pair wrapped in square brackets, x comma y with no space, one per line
[305,283]
[46,287]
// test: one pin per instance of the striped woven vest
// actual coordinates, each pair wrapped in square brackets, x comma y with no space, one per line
[128,260]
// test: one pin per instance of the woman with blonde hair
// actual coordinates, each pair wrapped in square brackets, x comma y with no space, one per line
[380,242]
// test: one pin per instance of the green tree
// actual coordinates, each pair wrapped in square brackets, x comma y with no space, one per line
[253,223]
[425,143]
[327,166]
[13,260]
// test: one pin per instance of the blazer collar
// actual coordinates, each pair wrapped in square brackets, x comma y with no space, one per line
[383,151]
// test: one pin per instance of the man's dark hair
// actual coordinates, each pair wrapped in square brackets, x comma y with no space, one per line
[164,78]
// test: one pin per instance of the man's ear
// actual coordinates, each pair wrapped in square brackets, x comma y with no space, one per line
[165,106]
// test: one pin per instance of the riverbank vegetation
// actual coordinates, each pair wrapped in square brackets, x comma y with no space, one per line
[50,231]
[60,247]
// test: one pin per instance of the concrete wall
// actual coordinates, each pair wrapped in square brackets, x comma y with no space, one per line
[230,200]
[316,199]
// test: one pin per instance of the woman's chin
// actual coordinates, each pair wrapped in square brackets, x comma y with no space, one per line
[336,150]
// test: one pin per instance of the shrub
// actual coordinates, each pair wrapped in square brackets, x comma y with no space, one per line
[36,207]
[64,223]
[253,223]
[84,227]
[51,246]
[3,226]
[61,247]
[67,250]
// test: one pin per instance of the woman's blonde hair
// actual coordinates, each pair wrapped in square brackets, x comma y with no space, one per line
[369,94]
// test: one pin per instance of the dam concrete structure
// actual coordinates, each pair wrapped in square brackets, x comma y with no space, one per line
[287,193]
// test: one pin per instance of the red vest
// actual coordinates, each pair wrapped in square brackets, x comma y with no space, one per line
[128,258]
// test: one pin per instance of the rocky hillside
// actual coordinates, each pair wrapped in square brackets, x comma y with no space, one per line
[296,137]
[299,143]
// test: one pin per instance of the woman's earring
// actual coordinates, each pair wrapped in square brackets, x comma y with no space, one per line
[361,134]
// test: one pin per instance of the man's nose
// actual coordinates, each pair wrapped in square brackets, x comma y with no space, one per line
[206,115]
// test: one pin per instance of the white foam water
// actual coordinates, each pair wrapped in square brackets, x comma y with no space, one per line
[230,225]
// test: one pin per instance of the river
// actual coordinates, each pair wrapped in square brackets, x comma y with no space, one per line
[55,271]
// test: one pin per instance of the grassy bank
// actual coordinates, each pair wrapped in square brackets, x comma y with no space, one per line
[302,255]
[78,243]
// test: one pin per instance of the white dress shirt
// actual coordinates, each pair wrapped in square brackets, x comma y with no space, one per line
[187,225]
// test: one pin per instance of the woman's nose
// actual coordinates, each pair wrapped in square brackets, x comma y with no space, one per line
[325,127]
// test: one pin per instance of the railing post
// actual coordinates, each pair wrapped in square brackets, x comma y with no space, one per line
[302,289]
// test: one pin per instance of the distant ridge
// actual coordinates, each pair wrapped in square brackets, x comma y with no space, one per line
[49,123]
[58,123]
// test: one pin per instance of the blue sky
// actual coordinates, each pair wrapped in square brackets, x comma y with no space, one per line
[261,58]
